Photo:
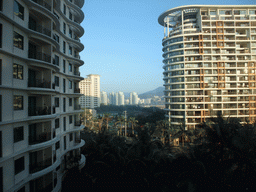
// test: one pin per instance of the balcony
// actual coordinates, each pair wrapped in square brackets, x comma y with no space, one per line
[78,123]
[36,111]
[39,56]
[43,3]
[77,73]
[76,90]
[40,160]
[39,83]
[38,166]
[40,138]
[77,107]
[40,29]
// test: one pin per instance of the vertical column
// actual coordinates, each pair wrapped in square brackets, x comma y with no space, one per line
[168,26]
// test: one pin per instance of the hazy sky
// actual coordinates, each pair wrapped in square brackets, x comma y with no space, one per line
[123,41]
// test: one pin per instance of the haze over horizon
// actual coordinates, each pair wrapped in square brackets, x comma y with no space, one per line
[123,42]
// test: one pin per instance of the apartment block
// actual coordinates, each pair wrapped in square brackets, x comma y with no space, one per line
[39,93]
[90,88]
[209,61]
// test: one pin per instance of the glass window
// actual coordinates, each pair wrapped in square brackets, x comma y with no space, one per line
[1,5]
[18,10]
[1,34]
[64,85]
[57,145]
[252,12]
[18,134]
[64,123]
[56,80]
[70,33]
[70,50]
[70,102]
[57,123]
[18,40]
[57,101]
[64,9]
[18,102]
[71,137]
[64,28]
[70,119]
[17,71]
[64,66]
[70,84]
[70,15]
[56,60]
[19,165]
[212,12]
[64,47]
[70,67]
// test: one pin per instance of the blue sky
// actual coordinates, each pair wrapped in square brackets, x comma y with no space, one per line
[123,41]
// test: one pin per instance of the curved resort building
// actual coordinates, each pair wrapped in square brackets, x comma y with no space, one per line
[209,62]
[39,93]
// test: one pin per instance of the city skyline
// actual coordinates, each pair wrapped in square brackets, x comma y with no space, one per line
[123,42]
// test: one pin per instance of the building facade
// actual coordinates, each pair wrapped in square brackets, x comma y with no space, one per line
[39,94]
[134,100]
[209,62]
[104,98]
[90,88]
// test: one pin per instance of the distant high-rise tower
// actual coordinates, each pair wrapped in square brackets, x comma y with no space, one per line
[120,98]
[134,100]
[90,88]
[104,98]
[112,98]
[209,62]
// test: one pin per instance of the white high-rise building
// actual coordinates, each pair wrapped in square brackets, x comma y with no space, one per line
[134,100]
[112,98]
[39,96]
[104,98]
[120,98]
[209,62]
[90,88]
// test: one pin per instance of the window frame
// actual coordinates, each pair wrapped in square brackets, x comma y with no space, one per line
[18,134]
[16,69]
[19,43]
[21,98]
[20,8]
[19,166]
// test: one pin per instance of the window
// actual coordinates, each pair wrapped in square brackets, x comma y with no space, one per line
[64,85]
[1,144]
[64,66]
[70,33]
[64,28]
[57,123]
[65,143]
[64,9]
[56,38]
[70,102]
[0,72]
[1,9]
[71,137]
[17,102]
[18,40]
[19,165]
[70,84]
[17,71]
[1,35]
[57,145]
[57,101]
[70,119]
[212,12]
[22,189]
[18,134]
[18,10]
[64,123]
[70,67]
[56,60]
[57,80]
[64,47]
[70,50]
[64,104]
[1,180]
[70,15]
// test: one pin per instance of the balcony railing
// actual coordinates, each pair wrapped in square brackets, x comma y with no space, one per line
[76,90]
[77,73]
[43,3]
[38,166]
[39,56]
[39,83]
[35,111]
[40,29]
[43,137]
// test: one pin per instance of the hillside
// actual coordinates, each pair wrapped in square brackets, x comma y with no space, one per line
[156,92]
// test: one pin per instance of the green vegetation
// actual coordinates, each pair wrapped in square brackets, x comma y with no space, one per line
[218,156]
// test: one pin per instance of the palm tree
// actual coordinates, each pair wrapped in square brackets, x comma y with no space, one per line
[107,117]
[133,121]
[120,121]
[182,132]
[164,127]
